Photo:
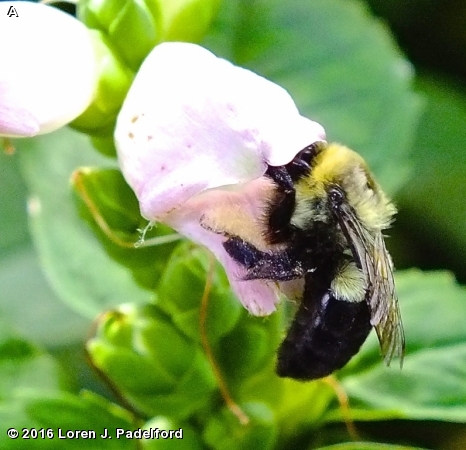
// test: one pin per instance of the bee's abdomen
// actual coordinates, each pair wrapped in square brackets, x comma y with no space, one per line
[324,335]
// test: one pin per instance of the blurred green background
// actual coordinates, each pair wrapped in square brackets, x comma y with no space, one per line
[343,63]
[431,225]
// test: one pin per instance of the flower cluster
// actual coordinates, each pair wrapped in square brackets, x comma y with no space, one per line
[194,136]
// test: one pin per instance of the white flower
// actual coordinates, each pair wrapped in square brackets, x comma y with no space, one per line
[194,138]
[48,69]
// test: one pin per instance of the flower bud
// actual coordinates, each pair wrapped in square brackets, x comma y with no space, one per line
[223,431]
[154,366]
[48,68]
[134,27]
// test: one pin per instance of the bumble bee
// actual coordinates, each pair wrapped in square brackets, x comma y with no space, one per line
[323,224]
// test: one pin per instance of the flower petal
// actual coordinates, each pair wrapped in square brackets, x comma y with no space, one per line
[48,66]
[192,122]
[197,220]
[15,118]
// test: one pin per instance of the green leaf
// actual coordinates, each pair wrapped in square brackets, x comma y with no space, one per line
[431,384]
[340,65]
[76,265]
[109,205]
[24,367]
[368,446]
[13,230]
[182,300]
[249,347]
[432,206]
[190,439]
[30,397]
[225,432]
[26,299]
[294,411]
[28,302]
[57,417]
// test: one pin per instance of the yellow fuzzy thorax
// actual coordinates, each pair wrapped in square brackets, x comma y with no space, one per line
[339,166]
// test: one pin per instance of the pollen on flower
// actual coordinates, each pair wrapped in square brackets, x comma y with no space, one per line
[130,135]
[134,119]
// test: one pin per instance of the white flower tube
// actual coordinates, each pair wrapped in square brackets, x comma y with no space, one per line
[48,69]
[194,138]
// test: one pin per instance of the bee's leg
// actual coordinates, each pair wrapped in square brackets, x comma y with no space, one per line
[300,166]
[281,207]
[282,178]
[277,266]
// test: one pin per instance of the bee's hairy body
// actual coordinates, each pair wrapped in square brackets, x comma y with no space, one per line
[326,216]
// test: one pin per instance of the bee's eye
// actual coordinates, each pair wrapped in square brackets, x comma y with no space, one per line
[336,197]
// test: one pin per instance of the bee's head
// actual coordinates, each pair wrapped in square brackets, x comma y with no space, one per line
[337,170]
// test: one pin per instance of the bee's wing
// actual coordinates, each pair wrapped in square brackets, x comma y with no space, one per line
[369,250]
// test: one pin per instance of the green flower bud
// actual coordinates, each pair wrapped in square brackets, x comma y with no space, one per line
[114,80]
[154,366]
[116,328]
[133,374]
[225,432]
[192,393]
[136,26]
[190,440]
[186,20]
[182,301]
[131,26]
[105,145]
[247,350]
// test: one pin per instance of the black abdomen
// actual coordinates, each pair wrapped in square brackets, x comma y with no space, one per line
[324,335]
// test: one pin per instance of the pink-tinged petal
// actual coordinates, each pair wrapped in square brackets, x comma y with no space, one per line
[259,297]
[198,220]
[15,118]
[193,122]
[48,65]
